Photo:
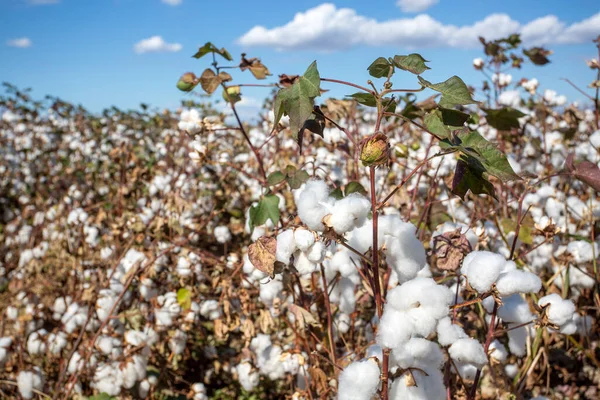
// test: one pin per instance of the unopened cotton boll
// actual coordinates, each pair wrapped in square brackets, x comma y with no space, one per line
[482,269]
[359,381]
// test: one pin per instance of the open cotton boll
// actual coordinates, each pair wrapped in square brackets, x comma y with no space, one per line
[199,391]
[222,234]
[517,340]
[342,263]
[482,269]
[511,370]
[424,387]
[448,333]
[312,204]
[286,245]
[304,266]
[108,378]
[466,371]
[349,212]
[518,281]
[27,381]
[418,353]
[210,309]
[359,381]
[498,351]
[394,329]
[560,311]
[316,252]
[468,350]
[303,239]
[347,301]
[421,293]
[247,376]
[513,309]
[270,290]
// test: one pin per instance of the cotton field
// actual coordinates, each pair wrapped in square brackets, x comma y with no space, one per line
[188,255]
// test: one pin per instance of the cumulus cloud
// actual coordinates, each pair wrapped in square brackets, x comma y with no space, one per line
[414,6]
[328,28]
[155,44]
[22,43]
[172,2]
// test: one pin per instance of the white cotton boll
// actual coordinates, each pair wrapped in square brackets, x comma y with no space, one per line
[448,332]
[210,309]
[178,341]
[134,371]
[27,381]
[349,212]
[374,351]
[57,342]
[468,350]
[303,239]
[560,311]
[421,295]
[36,342]
[482,269]
[75,363]
[304,266]
[511,370]
[316,252]
[135,338]
[347,299]
[247,376]
[341,323]
[466,371]
[418,353]
[144,389]
[498,351]
[270,290]
[394,328]
[427,385]
[199,391]
[577,278]
[585,324]
[518,282]
[222,234]
[517,340]
[286,245]
[108,378]
[582,251]
[313,204]
[290,363]
[12,313]
[183,267]
[342,263]
[513,309]
[359,381]
[570,328]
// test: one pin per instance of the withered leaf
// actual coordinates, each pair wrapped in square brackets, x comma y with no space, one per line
[262,255]
[303,317]
[210,81]
[450,249]
[585,171]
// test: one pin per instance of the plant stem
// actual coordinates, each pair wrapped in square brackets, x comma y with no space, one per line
[488,341]
[348,84]
[328,309]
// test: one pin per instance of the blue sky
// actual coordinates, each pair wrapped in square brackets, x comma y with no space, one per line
[84,51]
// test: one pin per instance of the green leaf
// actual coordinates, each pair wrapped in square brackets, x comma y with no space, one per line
[336,194]
[184,298]
[380,68]
[525,231]
[412,63]
[468,178]
[294,177]
[267,208]
[454,91]
[366,99]
[482,155]
[503,119]
[297,101]
[354,187]
[275,178]
[444,120]
[210,48]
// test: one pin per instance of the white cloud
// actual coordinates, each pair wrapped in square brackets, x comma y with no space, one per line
[172,2]
[155,44]
[328,28]
[43,2]
[22,43]
[414,6]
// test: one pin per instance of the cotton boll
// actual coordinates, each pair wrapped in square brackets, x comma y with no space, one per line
[468,350]
[304,266]
[517,340]
[421,295]
[28,381]
[286,245]
[36,342]
[418,353]
[303,239]
[342,262]
[513,309]
[313,204]
[270,290]
[222,234]
[426,386]
[511,370]
[183,267]
[374,351]
[359,381]
[518,282]
[466,371]
[347,300]
[108,378]
[57,342]
[316,252]
[210,309]
[341,323]
[178,341]
[349,212]
[199,391]
[482,269]
[247,376]
[498,351]
[394,328]
[448,332]
[559,311]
